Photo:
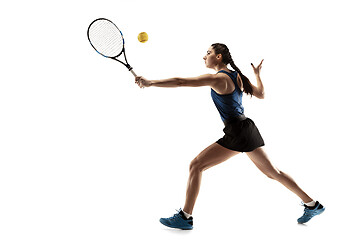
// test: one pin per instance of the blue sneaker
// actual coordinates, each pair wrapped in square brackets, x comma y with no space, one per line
[310,212]
[178,221]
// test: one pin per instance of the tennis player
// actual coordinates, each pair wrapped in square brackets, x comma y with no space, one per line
[241,133]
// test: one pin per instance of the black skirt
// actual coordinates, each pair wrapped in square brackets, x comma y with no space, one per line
[241,135]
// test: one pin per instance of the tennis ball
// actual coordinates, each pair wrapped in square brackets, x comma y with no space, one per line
[143,37]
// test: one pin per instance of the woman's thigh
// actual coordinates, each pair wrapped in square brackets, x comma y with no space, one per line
[262,161]
[212,156]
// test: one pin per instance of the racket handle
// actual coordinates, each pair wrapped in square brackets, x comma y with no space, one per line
[133,73]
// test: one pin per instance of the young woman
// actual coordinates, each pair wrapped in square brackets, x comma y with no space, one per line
[241,134]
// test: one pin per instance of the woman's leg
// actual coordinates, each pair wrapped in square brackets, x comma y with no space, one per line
[261,160]
[209,157]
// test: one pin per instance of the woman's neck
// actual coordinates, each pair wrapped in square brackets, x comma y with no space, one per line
[221,67]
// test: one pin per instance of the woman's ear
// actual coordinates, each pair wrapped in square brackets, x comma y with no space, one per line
[219,56]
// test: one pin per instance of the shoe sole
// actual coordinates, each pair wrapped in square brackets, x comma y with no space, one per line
[189,228]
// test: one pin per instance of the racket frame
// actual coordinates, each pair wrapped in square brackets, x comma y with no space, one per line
[126,64]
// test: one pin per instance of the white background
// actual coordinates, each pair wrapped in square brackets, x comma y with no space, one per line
[86,154]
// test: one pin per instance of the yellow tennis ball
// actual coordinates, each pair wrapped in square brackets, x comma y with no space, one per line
[143,37]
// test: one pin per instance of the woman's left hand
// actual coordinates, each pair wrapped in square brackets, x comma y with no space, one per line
[258,68]
[142,82]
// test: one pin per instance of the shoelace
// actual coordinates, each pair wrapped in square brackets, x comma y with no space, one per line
[308,212]
[176,215]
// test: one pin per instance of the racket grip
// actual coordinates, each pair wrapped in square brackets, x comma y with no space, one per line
[133,73]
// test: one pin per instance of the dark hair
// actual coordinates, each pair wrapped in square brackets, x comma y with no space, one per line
[222,49]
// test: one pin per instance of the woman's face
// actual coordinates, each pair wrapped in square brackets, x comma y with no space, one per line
[211,59]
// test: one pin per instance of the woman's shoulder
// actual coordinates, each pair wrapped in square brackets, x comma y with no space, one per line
[226,84]
[228,75]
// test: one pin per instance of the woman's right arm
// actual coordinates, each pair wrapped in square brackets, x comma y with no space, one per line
[215,81]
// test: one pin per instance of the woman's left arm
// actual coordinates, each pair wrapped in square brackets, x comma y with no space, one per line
[258,91]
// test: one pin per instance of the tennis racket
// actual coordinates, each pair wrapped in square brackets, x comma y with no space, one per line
[107,39]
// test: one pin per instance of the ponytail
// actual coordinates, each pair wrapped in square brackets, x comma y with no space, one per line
[245,81]
[222,49]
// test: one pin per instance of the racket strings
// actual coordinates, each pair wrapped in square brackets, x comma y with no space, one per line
[106,38]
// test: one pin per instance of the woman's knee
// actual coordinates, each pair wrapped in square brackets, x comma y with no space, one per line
[273,174]
[276,174]
[195,166]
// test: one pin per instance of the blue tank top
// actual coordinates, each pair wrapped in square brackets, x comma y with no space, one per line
[229,105]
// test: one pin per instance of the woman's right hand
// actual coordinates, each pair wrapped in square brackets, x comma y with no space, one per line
[142,82]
